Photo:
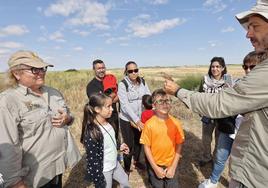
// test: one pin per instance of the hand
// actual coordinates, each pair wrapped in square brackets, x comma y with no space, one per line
[140,125]
[171,87]
[61,119]
[124,148]
[160,172]
[170,172]
[20,184]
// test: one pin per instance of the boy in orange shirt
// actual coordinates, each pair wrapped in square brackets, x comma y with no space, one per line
[162,138]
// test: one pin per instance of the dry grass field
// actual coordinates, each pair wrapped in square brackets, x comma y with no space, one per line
[73,86]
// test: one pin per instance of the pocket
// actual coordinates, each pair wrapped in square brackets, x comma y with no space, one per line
[32,121]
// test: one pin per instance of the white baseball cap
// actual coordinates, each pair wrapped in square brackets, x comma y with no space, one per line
[261,8]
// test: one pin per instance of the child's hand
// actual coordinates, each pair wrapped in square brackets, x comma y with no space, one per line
[170,172]
[140,125]
[160,172]
[124,148]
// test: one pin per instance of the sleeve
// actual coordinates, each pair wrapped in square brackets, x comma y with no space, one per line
[180,134]
[94,162]
[60,103]
[10,149]
[249,94]
[124,102]
[147,90]
[143,117]
[146,135]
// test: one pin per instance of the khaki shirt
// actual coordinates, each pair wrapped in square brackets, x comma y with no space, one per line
[249,156]
[30,147]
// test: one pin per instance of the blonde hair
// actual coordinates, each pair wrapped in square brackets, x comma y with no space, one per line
[8,80]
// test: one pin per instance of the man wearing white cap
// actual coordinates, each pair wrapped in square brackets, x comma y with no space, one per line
[249,156]
[33,135]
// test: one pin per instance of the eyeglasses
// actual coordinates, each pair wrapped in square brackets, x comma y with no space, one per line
[133,71]
[245,67]
[162,101]
[35,70]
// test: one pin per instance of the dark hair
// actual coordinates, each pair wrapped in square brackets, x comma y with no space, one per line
[125,71]
[127,64]
[88,124]
[221,62]
[157,92]
[255,57]
[147,102]
[97,61]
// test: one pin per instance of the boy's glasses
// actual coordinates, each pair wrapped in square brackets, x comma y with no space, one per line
[162,101]
[133,71]
[35,70]
[245,67]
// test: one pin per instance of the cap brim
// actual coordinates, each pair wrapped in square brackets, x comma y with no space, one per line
[243,17]
[38,64]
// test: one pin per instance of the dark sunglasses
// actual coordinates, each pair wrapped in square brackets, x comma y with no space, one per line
[131,71]
[245,67]
[35,70]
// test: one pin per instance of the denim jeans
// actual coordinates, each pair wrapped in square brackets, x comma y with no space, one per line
[222,153]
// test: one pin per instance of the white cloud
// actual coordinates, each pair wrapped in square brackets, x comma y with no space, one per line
[116,39]
[57,36]
[13,30]
[81,33]
[4,51]
[81,12]
[158,2]
[228,29]
[214,43]
[10,45]
[78,48]
[215,5]
[142,27]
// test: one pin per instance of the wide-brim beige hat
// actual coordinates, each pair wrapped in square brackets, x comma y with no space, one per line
[261,8]
[27,58]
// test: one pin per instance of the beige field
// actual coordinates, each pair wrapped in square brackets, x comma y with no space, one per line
[73,87]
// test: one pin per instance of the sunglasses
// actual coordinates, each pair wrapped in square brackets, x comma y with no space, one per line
[35,70]
[245,67]
[133,71]
[161,101]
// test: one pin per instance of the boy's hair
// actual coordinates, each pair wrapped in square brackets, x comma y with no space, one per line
[158,92]
[88,125]
[147,102]
[255,57]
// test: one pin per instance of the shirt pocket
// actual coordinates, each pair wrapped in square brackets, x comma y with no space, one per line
[32,121]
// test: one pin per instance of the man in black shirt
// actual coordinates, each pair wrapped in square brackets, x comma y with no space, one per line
[95,85]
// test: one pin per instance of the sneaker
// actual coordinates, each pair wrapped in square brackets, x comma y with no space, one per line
[207,184]
[204,163]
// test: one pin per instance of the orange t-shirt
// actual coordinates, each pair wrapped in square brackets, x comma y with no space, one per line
[162,136]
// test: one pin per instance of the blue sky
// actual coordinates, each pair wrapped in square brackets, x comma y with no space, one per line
[72,33]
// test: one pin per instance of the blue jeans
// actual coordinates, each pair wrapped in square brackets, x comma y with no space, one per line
[222,153]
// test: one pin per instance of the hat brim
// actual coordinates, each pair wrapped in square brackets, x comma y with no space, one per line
[243,17]
[38,64]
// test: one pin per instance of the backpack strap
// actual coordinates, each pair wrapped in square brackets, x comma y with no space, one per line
[125,83]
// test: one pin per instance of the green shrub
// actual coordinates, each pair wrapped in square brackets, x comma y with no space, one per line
[191,82]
